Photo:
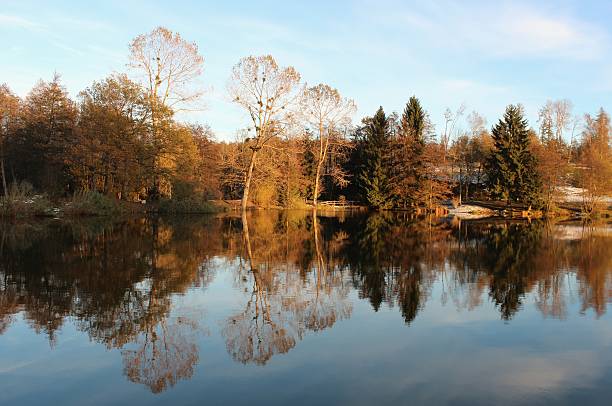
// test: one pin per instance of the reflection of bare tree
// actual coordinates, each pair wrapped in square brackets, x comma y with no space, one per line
[328,303]
[283,303]
[117,283]
[595,264]
[164,354]
[260,331]
[8,307]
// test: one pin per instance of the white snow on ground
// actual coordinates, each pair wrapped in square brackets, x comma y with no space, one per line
[574,195]
[468,211]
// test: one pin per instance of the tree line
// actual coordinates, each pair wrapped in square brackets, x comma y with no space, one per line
[121,138]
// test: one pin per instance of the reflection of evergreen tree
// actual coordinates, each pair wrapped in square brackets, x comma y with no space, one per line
[388,254]
[368,257]
[511,248]
[507,253]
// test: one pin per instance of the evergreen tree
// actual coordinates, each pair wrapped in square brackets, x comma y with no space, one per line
[512,166]
[309,166]
[374,179]
[408,166]
[40,149]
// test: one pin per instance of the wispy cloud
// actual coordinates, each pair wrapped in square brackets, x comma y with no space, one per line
[7,20]
[53,33]
[524,31]
[467,85]
[82,23]
[510,31]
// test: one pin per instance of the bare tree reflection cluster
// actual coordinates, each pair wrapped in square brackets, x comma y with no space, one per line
[120,283]
[116,282]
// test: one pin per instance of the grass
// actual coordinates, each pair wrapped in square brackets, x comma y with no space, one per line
[191,205]
[89,203]
[21,201]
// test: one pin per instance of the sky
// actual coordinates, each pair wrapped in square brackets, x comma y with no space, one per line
[483,54]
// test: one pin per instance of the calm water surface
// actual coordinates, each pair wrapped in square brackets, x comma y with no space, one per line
[291,309]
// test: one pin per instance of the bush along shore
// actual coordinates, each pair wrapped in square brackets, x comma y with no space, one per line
[22,201]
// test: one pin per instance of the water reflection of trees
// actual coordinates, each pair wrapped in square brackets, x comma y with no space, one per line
[292,287]
[512,259]
[393,259]
[115,281]
[119,282]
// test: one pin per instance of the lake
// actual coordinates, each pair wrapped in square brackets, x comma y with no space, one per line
[289,309]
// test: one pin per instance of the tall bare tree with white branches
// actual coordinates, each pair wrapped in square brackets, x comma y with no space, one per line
[325,111]
[168,67]
[267,92]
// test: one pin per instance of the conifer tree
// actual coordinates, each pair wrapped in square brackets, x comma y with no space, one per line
[512,166]
[374,176]
[408,165]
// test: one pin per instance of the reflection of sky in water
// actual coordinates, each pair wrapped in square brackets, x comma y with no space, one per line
[456,350]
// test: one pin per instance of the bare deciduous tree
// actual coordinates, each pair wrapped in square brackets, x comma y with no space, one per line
[596,160]
[324,110]
[555,117]
[477,123]
[169,64]
[450,122]
[266,91]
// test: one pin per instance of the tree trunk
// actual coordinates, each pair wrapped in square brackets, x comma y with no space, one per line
[460,185]
[316,185]
[322,155]
[247,240]
[3,176]
[247,180]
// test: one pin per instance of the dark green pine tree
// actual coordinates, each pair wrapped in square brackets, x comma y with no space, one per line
[512,167]
[408,170]
[308,166]
[373,178]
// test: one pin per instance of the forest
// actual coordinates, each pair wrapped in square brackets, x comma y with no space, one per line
[120,144]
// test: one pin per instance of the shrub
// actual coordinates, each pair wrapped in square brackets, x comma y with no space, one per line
[22,201]
[265,195]
[90,203]
[186,205]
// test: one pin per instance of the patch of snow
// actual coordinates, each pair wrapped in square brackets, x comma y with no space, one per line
[575,194]
[468,211]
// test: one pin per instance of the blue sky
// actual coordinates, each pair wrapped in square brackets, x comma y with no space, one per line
[481,53]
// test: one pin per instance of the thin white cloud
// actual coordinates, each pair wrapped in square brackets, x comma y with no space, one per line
[470,86]
[523,31]
[82,24]
[7,20]
[508,31]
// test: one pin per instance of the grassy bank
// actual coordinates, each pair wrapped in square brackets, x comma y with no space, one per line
[23,202]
